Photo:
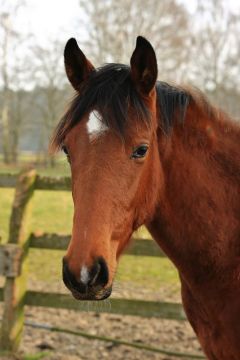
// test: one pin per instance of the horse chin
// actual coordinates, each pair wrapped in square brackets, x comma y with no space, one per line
[100,295]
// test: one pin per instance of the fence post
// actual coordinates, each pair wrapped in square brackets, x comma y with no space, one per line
[15,287]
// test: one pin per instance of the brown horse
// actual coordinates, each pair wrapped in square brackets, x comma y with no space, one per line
[145,152]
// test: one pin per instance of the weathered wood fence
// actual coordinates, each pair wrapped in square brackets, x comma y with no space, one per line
[14,267]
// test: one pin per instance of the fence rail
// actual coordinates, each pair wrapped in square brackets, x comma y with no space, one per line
[138,247]
[8,180]
[164,310]
[41,182]
[15,294]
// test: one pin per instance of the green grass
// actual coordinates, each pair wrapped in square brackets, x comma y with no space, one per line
[146,271]
[6,198]
[52,212]
[37,356]
[61,169]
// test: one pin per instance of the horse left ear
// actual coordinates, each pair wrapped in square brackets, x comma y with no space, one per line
[144,66]
[78,67]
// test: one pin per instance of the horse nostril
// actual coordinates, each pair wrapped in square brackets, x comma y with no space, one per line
[99,273]
[94,273]
[70,280]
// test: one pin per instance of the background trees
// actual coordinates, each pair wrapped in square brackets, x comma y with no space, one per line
[215,52]
[197,45]
[114,25]
[13,78]
[51,91]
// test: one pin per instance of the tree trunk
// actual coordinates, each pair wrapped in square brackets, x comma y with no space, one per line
[5,134]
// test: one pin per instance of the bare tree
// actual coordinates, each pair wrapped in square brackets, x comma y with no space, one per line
[51,86]
[9,71]
[7,33]
[215,48]
[113,27]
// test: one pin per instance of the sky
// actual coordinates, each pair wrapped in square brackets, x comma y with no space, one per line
[47,19]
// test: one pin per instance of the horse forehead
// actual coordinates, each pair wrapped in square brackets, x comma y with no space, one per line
[95,126]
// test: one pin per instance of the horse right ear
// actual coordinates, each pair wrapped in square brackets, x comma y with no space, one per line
[78,67]
[144,68]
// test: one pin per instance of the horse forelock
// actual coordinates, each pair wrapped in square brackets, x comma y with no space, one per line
[110,91]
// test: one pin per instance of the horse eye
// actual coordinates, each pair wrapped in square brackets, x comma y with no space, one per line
[64,149]
[139,152]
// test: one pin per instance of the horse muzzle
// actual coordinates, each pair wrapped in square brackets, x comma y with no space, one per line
[91,283]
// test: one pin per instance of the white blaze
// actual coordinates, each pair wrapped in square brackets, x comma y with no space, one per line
[95,126]
[84,275]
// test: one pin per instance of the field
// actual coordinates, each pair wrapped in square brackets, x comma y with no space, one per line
[52,212]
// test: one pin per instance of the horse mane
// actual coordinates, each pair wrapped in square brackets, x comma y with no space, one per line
[110,91]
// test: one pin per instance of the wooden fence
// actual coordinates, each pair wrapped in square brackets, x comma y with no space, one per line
[14,256]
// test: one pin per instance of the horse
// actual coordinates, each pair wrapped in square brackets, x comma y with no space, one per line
[142,151]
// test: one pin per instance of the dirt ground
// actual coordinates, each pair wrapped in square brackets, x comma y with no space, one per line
[165,334]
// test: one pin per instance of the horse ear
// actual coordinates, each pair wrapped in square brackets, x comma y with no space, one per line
[78,67]
[144,66]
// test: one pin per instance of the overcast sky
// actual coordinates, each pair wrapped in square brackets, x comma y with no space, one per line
[47,19]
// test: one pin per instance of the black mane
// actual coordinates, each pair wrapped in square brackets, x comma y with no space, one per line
[109,90]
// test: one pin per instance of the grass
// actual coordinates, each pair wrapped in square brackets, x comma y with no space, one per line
[52,212]
[62,168]
[37,356]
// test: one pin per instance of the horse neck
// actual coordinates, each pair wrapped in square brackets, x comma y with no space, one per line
[196,220]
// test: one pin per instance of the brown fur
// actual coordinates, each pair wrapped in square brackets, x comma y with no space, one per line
[197,225]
